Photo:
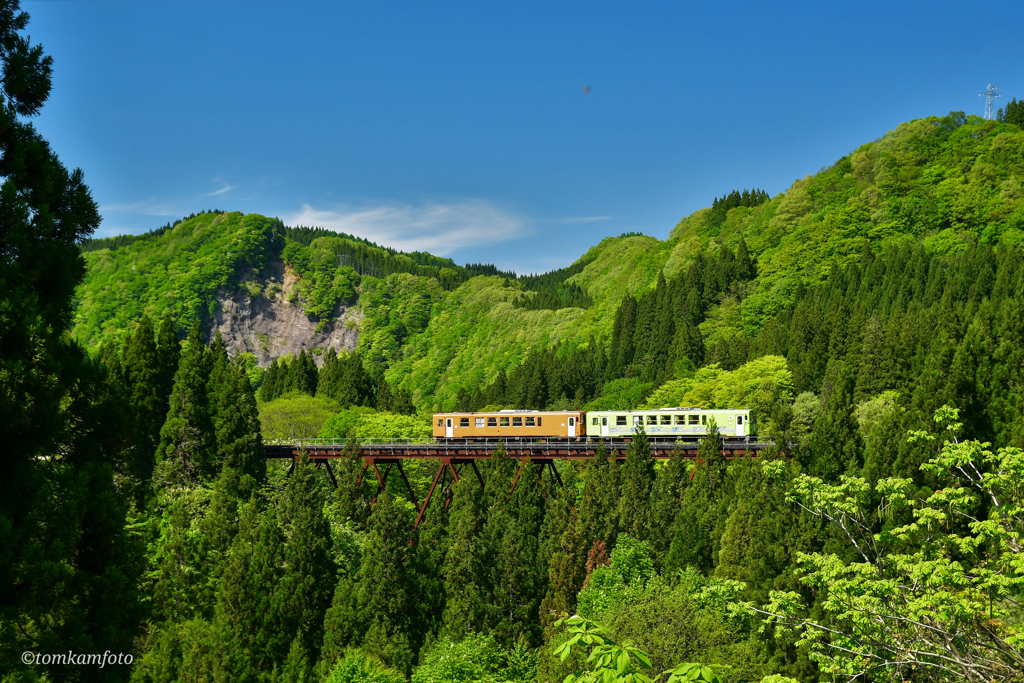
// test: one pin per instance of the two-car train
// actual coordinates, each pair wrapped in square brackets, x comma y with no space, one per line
[667,423]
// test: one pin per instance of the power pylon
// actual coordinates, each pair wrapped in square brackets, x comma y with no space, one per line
[989,95]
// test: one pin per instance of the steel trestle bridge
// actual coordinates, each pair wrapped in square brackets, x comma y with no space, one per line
[456,457]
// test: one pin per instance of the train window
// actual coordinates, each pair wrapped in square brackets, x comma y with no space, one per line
[666,419]
[680,419]
[440,423]
[517,422]
[593,421]
[492,422]
[652,419]
[638,420]
[504,421]
[604,421]
[531,421]
[463,421]
[538,422]
[703,419]
[620,420]
[693,419]
[739,419]
[479,421]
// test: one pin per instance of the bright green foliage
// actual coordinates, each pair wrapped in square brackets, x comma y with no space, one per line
[356,666]
[637,486]
[323,285]
[178,272]
[631,567]
[295,416]
[368,424]
[477,658]
[608,662]
[627,393]
[948,572]
[763,384]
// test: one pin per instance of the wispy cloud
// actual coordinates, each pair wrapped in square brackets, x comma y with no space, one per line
[223,190]
[438,227]
[586,219]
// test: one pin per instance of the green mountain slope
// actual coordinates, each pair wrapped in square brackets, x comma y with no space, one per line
[435,327]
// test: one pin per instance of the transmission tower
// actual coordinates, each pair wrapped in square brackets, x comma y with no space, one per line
[989,95]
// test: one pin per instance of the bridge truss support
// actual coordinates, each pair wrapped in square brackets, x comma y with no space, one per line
[456,457]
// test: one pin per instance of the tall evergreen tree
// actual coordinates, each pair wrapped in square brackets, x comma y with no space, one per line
[141,365]
[666,501]
[598,516]
[187,449]
[307,583]
[464,570]
[637,485]
[68,569]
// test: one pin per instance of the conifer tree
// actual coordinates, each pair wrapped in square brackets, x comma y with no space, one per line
[307,583]
[464,570]
[517,577]
[235,420]
[598,517]
[376,610]
[253,638]
[702,510]
[634,505]
[187,449]
[141,365]
[168,353]
[666,501]
[68,569]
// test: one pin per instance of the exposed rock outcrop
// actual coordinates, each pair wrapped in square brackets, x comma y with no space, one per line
[269,326]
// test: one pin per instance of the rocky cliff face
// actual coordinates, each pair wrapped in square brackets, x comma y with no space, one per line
[268,325]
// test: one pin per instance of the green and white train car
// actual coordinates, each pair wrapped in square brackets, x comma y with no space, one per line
[671,422]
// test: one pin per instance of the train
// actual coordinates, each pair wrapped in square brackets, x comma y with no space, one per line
[671,423]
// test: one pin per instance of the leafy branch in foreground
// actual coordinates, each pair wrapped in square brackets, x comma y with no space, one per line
[938,584]
[611,662]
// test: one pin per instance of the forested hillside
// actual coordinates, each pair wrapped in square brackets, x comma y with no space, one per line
[871,315]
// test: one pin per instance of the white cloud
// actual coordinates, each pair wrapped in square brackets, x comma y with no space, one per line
[223,190]
[440,228]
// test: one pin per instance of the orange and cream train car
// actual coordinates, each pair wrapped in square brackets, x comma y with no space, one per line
[509,424]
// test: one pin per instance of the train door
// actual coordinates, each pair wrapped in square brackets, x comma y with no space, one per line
[604,426]
[572,425]
[740,427]
[448,430]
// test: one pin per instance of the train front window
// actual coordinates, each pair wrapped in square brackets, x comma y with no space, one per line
[504,421]
[620,420]
[531,422]
[517,422]
[479,421]
[463,421]
[492,422]
[440,423]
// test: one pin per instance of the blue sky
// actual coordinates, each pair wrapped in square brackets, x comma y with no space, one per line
[463,128]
